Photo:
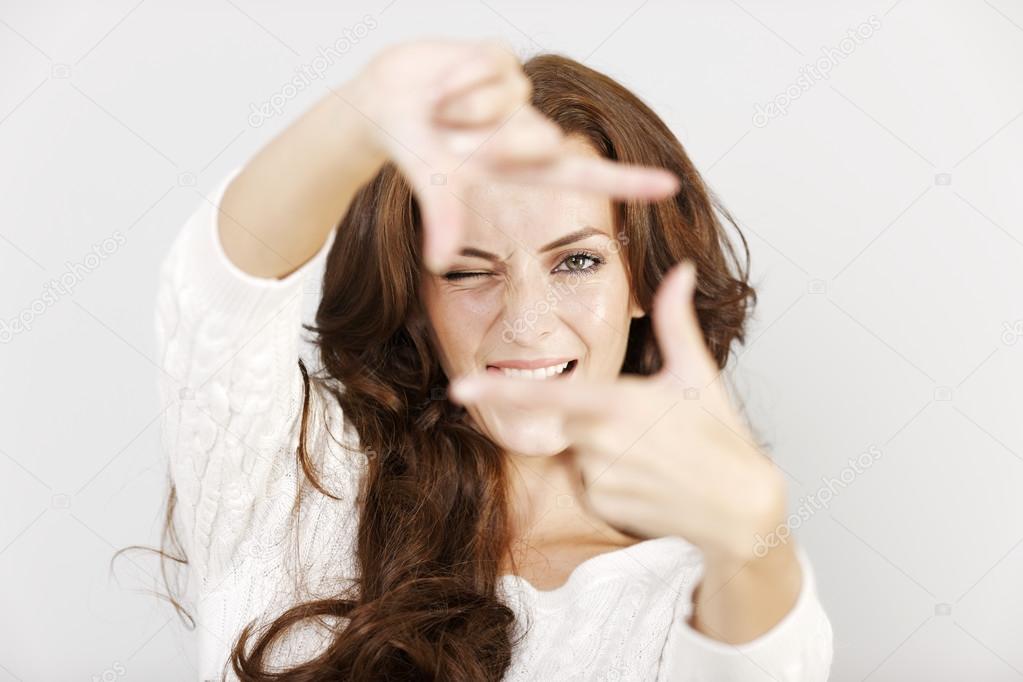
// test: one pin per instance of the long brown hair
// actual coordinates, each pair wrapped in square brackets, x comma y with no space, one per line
[426,605]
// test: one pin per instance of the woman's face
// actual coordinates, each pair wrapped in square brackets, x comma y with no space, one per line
[539,293]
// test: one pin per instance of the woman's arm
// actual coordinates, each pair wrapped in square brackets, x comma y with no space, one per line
[284,203]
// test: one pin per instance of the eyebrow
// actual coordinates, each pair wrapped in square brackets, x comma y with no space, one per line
[569,238]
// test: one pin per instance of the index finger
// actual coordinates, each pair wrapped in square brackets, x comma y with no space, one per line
[566,397]
[614,179]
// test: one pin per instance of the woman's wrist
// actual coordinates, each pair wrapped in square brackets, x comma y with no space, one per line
[743,592]
[757,511]
[346,118]
[738,603]
[359,96]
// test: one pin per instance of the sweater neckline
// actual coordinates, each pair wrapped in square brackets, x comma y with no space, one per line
[634,559]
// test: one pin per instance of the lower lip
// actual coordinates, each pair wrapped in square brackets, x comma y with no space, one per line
[568,370]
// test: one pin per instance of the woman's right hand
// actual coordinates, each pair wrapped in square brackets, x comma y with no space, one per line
[451,114]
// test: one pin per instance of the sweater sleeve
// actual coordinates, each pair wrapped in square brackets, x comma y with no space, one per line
[798,648]
[228,348]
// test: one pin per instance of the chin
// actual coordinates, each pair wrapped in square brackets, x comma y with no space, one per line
[532,434]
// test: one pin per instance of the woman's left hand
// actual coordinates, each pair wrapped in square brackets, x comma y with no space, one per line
[665,454]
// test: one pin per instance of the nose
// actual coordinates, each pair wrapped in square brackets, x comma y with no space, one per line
[529,311]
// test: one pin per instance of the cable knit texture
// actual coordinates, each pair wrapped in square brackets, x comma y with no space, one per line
[229,347]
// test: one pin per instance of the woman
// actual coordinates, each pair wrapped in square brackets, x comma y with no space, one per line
[580,502]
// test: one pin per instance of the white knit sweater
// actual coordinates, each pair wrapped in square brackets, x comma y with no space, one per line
[228,343]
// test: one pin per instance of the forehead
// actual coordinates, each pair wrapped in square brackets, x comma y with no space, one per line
[531,216]
[509,215]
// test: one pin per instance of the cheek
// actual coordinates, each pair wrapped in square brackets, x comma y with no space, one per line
[460,320]
[599,315]
[481,303]
[599,311]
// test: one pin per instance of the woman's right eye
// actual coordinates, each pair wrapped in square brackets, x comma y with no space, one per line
[454,276]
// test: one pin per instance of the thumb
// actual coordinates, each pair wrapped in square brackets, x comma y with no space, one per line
[679,337]
[442,215]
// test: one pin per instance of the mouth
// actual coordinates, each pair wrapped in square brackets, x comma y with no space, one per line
[555,370]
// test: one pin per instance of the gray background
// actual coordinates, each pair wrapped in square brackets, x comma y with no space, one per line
[883,212]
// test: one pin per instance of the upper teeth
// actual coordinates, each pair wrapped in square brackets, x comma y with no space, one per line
[538,373]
